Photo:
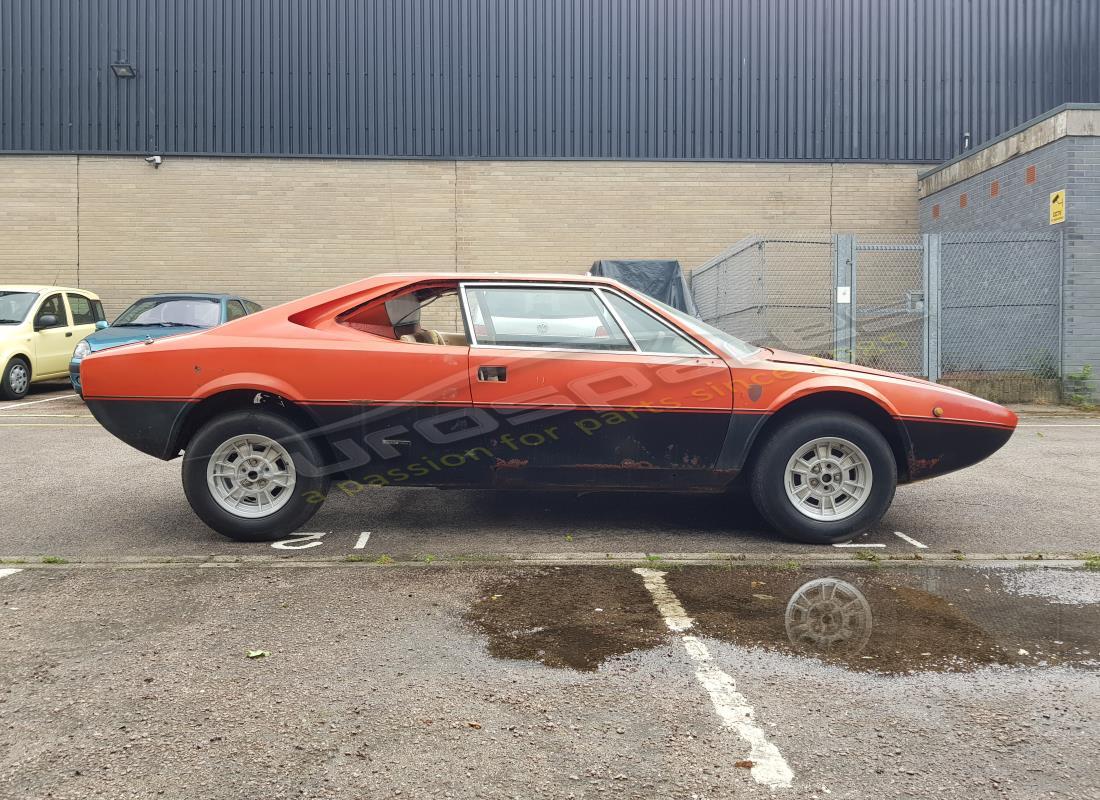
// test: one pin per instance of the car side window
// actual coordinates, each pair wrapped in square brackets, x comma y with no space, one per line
[534,316]
[234,310]
[251,307]
[55,306]
[651,334]
[83,312]
[97,307]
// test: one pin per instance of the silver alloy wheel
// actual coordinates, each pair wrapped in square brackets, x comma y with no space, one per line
[18,379]
[251,476]
[828,479]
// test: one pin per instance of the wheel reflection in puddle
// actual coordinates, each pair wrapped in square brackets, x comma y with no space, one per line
[828,616]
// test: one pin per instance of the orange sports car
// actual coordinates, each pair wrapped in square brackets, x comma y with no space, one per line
[522,381]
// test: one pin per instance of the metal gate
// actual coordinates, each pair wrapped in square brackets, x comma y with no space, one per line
[880,318]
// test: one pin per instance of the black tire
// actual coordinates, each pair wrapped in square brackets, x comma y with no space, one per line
[307,495]
[767,478]
[8,390]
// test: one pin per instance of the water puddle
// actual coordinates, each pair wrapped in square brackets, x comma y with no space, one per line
[879,619]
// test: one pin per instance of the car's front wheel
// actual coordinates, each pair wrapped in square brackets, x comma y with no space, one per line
[253,476]
[823,477]
[16,379]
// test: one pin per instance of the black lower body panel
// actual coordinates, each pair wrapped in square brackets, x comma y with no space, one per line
[449,445]
[148,425]
[936,447]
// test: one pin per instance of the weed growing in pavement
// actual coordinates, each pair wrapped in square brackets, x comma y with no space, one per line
[354,558]
[866,555]
[1078,391]
[653,561]
[427,559]
[13,561]
[1092,561]
[792,565]
[383,559]
[53,560]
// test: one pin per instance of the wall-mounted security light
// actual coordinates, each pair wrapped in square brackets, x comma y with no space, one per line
[124,70]
[155,161]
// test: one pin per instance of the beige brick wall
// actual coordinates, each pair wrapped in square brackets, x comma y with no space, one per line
[273,229]
[38,212]
[276,229]
[563,215]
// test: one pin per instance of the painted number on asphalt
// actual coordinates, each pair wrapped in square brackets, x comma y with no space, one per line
[300,541]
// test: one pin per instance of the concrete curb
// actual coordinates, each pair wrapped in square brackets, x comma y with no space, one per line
[789,560]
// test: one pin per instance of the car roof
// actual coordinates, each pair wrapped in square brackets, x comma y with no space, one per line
[44,289]
[551,277]
[361,289]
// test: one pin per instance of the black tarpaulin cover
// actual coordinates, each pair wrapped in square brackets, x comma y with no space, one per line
[661,279]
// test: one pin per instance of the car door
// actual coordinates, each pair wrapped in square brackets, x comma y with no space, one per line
[578,402]
[53,343]
[83,313]
[409,399]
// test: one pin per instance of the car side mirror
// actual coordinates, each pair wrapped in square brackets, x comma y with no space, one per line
[45,321]
[101,324]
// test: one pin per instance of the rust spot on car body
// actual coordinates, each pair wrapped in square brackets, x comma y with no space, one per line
[923,466]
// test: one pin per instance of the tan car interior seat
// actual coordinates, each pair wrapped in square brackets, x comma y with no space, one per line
[428,336]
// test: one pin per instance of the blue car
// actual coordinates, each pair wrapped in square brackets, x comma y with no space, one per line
[160,315]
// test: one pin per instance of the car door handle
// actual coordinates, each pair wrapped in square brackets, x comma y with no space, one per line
[67,335]
[492,374]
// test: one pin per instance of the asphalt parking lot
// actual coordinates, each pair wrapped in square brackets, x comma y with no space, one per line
[465,644]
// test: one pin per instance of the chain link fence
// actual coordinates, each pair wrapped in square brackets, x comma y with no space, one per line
[1000,317]
[981,311]
[775,292]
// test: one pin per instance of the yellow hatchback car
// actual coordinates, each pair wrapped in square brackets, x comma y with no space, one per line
[39,329]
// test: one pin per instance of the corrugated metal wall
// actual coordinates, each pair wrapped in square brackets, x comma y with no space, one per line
[876,80]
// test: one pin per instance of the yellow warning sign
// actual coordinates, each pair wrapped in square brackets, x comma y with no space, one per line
[1057,206]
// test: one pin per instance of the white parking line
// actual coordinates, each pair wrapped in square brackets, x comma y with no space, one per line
[855,544]
[768,765]
[364,537]
[910,539]
[6,572]
[35,402]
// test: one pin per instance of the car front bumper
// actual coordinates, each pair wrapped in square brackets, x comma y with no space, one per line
[74,377]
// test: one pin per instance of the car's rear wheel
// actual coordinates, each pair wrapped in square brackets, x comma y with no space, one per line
[823,477]
[247,475]
[16,379]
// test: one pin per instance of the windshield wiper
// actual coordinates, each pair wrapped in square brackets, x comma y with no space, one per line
[10,321]
[180,325]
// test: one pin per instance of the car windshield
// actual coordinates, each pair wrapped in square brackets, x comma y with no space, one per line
[15,305]
[188,312]
[728,343]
